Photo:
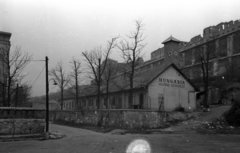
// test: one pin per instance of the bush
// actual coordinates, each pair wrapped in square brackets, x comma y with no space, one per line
[179,109]
[233,115]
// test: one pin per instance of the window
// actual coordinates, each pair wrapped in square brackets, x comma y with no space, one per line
[113,100]
[119,102]
[182,56]
[175,53]
[170,53]
[90,102]
[105,101]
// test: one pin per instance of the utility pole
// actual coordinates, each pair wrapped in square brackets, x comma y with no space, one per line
[47,96]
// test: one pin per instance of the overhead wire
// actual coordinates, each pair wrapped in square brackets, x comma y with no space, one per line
[38,76]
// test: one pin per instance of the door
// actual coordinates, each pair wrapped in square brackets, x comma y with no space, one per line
[171,98]
[192,100]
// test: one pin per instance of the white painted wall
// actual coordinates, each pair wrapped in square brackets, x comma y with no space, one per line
[173,96]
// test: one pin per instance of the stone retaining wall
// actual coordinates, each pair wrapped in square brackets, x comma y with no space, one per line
[118,118]
[21,112]
[21,126]
[21,120]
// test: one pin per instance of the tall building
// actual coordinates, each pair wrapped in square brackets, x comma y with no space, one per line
[173,75]
[220,43]
[4,50]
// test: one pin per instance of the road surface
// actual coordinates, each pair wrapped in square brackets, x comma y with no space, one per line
[85,141]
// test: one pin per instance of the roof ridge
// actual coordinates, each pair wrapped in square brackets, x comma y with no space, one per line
[171,38]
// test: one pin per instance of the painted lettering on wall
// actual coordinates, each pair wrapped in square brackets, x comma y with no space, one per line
[171,82]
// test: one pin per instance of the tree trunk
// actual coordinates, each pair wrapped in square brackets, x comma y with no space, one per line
[61,98]
[107,97]
[131,93]
[98,96]
[4,95]
[9,92]
[205,102]
[76,104]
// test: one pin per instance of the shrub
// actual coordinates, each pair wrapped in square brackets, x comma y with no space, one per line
[179,109]
[233,115]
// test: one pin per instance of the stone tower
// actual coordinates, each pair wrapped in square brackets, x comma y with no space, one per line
[171,50]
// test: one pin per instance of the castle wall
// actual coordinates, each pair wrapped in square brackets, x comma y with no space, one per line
[210,33]
[159,53]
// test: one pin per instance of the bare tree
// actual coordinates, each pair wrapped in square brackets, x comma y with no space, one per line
[26,92]
[110,71]
[12,65]
[74,77]
[60,77]
[205,55]
[131,50]
[94,60]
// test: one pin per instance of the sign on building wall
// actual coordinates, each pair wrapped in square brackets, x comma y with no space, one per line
[171,82]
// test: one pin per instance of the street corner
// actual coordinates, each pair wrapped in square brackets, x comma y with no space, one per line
[53,135]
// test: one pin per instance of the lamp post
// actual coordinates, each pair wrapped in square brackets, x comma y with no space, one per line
[47,96]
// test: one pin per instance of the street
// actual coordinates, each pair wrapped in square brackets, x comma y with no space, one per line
[85,141]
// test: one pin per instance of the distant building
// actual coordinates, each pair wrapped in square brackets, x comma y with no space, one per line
[69,103]
[53,105]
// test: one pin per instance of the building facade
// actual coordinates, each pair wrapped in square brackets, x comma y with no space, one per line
[163,88]
[220,44]
[172,88]
[69,104]
[4,50]
[53,105]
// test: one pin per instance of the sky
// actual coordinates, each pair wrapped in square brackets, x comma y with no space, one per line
[62,29]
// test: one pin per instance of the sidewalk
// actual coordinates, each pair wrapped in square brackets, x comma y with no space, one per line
[21,137]
[37,136]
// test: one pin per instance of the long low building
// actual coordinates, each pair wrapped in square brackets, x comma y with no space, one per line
[161,88]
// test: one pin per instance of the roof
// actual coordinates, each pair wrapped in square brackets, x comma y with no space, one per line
[50,102]
[144,78]
[5,33]
[171,38]
[53,101]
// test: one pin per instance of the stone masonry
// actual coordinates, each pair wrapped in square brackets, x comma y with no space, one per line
[21,126]
[124,119]
[21,120]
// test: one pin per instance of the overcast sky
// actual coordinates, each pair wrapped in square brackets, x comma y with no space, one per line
[62,29]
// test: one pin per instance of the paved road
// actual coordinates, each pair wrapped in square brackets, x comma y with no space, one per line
[84,141]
